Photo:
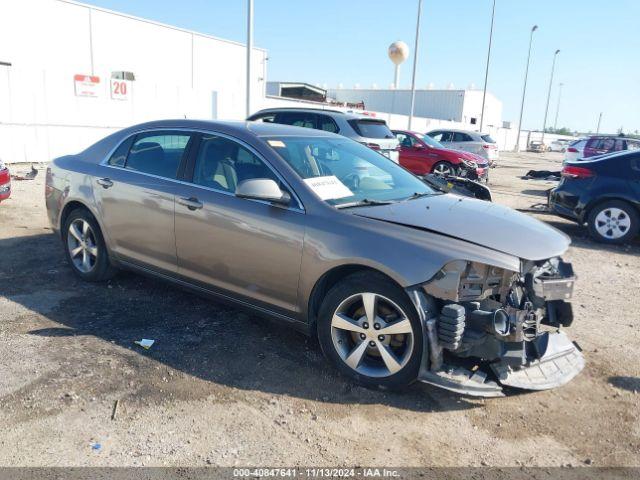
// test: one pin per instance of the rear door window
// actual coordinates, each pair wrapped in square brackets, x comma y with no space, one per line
[158,153]
[297,119]
[327,124]
[461,137]
[371,128]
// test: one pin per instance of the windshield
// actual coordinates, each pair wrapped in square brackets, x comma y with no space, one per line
[345,173]
[431,142]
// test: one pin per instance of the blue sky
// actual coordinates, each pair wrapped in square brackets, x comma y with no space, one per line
[345,41]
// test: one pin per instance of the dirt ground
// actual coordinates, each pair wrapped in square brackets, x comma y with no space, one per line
[220,387]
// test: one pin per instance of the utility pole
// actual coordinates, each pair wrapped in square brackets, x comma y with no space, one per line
[415,64]
[249,51]
[524,88]
[555,123]
[546,110]
[486,72]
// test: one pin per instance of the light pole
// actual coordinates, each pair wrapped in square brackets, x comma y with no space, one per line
[415,63]
[524,88]
[599,120]
[546,110]
[486,72]
[555,123]
[249,49]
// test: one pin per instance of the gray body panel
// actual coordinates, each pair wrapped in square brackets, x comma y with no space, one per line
[271,257]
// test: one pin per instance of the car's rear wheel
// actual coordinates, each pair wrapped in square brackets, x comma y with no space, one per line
[613,221]
[369,329]
[444,168]
[85,248]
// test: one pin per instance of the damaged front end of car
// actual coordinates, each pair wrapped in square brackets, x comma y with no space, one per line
[485,327]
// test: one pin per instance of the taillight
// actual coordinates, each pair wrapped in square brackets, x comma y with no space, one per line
[570,171]
[488,146]
[572,150]
[373,146]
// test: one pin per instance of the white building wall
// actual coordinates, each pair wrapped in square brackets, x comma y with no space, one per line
[450,105]
[179,74]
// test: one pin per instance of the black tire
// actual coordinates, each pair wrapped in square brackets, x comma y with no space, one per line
[451,167]
[627,215]
[101,268]
[377,284]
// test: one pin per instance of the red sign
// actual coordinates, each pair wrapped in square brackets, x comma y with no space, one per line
[86,85]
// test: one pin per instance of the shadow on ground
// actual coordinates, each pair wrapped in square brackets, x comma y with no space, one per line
[213,342]
[631,384]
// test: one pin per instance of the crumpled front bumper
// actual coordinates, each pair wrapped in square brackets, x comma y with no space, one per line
[560,361]
[552,361]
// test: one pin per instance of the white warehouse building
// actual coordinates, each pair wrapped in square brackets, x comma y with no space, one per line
[71,73]
[462,106]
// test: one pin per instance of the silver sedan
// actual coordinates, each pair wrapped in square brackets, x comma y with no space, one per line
[398,281]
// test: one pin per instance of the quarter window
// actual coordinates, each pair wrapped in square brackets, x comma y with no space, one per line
[157,153]
[119,157]
[222,164]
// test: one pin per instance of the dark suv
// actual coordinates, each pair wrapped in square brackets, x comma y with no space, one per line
[370,131]
[604,193]
[602,144]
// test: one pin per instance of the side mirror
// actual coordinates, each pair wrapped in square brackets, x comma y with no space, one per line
[262,189]
[418,146]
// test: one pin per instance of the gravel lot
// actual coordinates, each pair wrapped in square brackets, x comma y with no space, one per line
[220,387]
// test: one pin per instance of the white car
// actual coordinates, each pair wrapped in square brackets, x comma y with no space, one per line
[559,145]
[575,150]
[479,143]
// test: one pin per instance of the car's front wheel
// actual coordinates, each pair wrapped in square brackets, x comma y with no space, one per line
[444,169]
[369,329]
[613,221]
[85,248]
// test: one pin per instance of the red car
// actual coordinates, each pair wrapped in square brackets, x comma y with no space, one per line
[603,144]
[5,182]
[421,155]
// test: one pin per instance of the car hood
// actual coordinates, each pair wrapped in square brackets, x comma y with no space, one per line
[450,153]
[483,223]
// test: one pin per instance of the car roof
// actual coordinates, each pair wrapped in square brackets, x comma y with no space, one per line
[329,112]
[457,130]
[258,129]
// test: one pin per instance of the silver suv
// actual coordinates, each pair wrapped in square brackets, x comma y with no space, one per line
[370,131]
[479,143]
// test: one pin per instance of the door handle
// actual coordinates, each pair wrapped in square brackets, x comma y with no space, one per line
[191,203]
[105,182]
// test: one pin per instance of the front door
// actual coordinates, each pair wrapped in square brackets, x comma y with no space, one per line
[135,193]
[248,248]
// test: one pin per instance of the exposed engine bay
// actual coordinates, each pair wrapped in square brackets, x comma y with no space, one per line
[485,327]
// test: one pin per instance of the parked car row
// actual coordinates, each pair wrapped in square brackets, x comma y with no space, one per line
[465,154]
[599,145]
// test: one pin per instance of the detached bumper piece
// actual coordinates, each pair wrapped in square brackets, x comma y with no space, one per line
[558,363]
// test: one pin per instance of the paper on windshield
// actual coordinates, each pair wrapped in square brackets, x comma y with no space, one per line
[328,188]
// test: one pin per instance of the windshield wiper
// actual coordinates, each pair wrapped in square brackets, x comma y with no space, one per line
[418,195]
[365,202]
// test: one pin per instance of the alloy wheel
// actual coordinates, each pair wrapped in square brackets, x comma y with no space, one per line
[372,335]
[443,169]
[612,223]
[82,245]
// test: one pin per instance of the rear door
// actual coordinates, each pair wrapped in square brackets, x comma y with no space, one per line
[248,249]
[135,196]
[464,141]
